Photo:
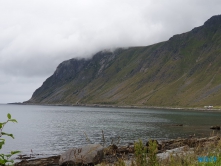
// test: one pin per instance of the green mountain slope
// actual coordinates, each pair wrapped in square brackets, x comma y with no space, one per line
[183,71]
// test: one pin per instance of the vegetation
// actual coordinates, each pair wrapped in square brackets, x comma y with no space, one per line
[202,156]
[181,72]
[140,154]
[5,158]
[152,154]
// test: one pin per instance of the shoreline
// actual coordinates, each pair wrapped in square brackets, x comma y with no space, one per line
[200,109]
[112,152]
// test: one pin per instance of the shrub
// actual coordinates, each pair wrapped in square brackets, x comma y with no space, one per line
[152,153]
[5,158]
[140,154]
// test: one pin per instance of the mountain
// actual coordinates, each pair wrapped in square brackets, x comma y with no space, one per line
[183,71]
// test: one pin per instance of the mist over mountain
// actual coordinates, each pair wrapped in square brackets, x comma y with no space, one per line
[183,71]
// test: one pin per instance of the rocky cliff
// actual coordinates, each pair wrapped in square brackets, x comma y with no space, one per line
[183,71]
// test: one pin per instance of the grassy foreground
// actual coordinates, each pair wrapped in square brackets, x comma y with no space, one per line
[207,155]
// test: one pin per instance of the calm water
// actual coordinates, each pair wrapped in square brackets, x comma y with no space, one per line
[49,130]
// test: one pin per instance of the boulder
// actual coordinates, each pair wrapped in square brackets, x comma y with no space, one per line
[86,155]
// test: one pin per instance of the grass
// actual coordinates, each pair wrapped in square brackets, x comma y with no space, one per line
[147,156]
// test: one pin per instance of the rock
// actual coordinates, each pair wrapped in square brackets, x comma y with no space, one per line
[180,151]
[190,142]
[89,154]
[49,161]
[214,138]
[215,127]
[24,157]
[131,148]
[178,125]
[167,148]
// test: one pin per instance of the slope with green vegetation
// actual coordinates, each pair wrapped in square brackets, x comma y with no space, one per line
[183,71]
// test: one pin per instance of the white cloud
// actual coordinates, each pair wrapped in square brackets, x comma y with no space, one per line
[35,36]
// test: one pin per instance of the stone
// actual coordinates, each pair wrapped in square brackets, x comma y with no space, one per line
[178,125]
[214,138]
[180,151]
[49,161]
[88,155]
[215,127]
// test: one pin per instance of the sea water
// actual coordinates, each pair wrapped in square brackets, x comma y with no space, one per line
[50,130]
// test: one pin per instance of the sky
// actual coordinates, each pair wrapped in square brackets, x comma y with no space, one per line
[37,35]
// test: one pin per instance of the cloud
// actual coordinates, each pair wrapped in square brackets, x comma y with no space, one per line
[17,88]
[37,35]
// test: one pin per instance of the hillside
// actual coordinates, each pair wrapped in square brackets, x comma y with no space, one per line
[183,71]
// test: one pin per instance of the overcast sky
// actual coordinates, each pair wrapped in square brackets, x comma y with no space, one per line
[37,35]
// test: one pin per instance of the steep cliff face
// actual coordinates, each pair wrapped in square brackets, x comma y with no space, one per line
[183,71]
[78,72]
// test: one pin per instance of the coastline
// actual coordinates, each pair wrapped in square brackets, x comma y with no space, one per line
[201,109]
[165,149]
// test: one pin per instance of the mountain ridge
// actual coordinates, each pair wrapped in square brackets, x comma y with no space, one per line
[183,71]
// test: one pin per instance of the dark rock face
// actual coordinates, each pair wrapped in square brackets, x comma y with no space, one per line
[162,74]
[66,71]
[213,21]
[78,70]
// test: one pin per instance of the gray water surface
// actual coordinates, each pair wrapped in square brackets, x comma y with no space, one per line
[49,130]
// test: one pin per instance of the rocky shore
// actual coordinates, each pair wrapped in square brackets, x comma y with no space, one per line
[112,153]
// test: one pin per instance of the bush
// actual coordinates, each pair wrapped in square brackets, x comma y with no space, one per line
[5,158]
[140,153]
[152,153]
